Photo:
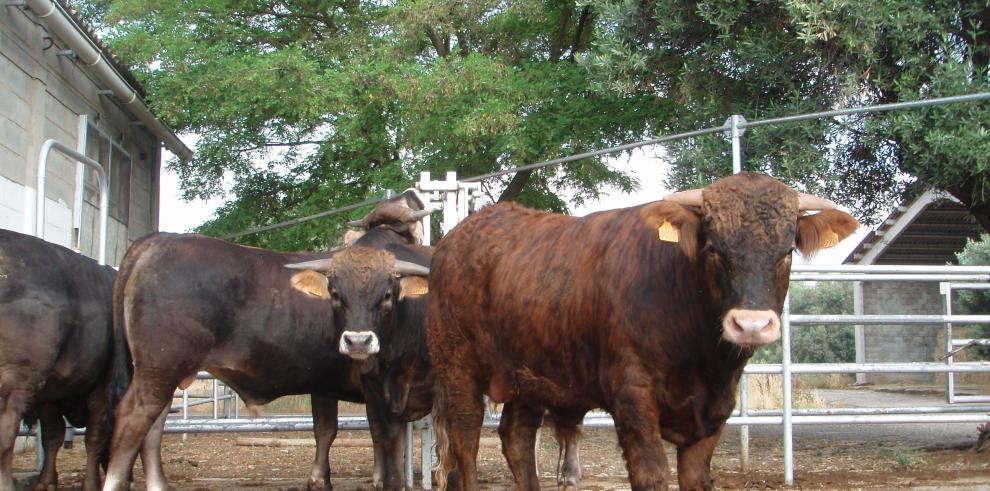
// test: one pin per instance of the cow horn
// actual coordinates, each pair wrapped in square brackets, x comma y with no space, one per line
[691,197]
[419,214]
[356,223]
[812,202]
[316,264]
[406,268]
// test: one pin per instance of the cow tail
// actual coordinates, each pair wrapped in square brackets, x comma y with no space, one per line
[121,364]
[445,461]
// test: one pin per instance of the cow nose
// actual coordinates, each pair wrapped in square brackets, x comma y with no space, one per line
[358,344]
[358,340]
[751,328]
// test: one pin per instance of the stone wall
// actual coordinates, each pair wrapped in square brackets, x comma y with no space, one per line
[902,343]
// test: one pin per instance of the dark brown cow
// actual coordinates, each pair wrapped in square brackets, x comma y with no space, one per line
[190,303]
[382,318]
[56,350]
[649,312]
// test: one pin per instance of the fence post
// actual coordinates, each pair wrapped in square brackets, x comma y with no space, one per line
[785,327]
[735,132]
[744,429]
[945,289]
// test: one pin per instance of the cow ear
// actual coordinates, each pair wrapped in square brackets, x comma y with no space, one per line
[312,283]
[822,230]
[413,286]
[674,223]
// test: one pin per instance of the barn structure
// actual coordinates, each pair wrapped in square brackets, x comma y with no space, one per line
[59,82]
[927,230]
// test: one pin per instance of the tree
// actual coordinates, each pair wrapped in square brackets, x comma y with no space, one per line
[766,59]
[975,302]
[817,343]
[306,106]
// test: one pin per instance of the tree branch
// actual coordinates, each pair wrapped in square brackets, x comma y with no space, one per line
[438,45]
[462,43]
[511,192]
[580,37]
[557,48]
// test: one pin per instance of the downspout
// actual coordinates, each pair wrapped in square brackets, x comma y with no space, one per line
[89,54]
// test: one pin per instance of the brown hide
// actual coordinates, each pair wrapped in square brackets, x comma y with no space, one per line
[56,350]
[623,310]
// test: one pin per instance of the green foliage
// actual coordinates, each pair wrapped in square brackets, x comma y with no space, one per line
[817,343]
[975,302]
[774,58]
[307,106]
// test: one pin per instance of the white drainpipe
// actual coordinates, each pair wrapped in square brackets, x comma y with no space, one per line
[60,24]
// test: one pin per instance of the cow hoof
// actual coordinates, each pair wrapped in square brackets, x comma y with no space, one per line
[319,485]
[45,487]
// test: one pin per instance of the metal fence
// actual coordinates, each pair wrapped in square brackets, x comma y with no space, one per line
[455,197]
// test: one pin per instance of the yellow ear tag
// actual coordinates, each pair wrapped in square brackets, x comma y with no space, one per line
[413,286]
[668,233]
[831,238]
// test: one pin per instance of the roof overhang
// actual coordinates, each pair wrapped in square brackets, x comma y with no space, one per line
[57,19]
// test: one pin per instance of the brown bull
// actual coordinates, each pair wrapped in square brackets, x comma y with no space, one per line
[190,303]
[649,312]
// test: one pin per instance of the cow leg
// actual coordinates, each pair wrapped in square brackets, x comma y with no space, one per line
[388,433]
[637,424]
[694,464]
[465,411]
[10,423]
[141,406]
[378,466]
[97,437]
[325,429]
[518,432]
[567,429]
[151,454]
[52,435]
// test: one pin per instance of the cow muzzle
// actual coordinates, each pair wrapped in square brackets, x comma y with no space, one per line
[359,344]
[751,328]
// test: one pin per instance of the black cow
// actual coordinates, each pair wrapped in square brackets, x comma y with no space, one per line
[190,303]
[649,312]
[56,350]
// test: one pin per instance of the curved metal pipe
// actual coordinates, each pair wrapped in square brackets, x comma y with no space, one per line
[39,223]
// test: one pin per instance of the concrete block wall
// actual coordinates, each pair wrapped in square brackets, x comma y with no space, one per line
[901,343]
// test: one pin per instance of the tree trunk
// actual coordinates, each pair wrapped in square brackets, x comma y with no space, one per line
[515,186]
[979,208]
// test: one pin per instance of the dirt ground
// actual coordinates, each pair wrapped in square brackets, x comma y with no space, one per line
[214,462]
[840,457]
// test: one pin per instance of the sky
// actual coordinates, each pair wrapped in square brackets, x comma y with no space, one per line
[177,215]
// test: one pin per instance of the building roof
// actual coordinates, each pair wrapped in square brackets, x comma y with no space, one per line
[108,53]
[64,23]
[927,230]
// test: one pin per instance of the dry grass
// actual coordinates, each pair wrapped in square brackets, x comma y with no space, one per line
[767,392]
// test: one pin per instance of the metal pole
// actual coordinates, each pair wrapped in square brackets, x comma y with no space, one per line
[786,367]
[744,429]
[426,457]
[409,456]
[946,289]
[736,130]
[39,224]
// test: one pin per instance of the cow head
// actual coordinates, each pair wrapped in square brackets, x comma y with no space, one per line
[402,214]
[741,231]
[363,286]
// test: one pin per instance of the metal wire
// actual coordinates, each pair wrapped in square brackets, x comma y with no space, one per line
[982,96]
